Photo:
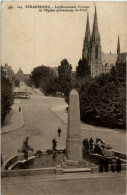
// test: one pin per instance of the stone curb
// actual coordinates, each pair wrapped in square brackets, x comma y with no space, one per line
[84,128]
[22,125]
[55,112]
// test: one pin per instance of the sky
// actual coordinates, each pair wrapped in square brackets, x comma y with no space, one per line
[31,38]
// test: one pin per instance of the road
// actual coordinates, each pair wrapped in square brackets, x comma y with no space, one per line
[41,125]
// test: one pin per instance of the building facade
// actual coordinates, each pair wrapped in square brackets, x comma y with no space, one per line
[9,73]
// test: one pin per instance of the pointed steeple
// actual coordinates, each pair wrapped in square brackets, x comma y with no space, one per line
[86,43]
[118,46]
[87,34]
[95,49]
[95,33]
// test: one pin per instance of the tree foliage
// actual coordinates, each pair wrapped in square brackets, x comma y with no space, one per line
[64,71]
[83,69]
[16,81]
[6,95]
[40,75]
[103,99]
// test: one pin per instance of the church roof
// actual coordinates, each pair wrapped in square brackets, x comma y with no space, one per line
[109,58]
[122,57]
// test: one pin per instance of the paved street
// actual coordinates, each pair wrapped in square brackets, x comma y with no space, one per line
[41,125]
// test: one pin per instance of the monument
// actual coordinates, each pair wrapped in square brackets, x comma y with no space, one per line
[73,140]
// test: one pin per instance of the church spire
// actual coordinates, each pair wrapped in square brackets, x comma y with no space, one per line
[86,40]
[95,49]
[95,33]
[87,35]
[118,46]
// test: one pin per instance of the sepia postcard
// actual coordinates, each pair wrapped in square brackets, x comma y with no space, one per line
[63,97]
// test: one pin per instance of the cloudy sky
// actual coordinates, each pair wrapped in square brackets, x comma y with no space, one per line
[31,38]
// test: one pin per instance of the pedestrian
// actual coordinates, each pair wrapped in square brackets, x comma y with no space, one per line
[91,143]
[54,142]
[87,145]
[84,142]
[106,163]
[59,131]
[113,164]
[19,109]
[1,160]
[118,165]
[101,164]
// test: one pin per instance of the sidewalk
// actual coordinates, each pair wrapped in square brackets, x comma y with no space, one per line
[14,120]
[110,183]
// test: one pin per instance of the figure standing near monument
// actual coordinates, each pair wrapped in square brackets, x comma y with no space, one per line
[101,164]
[91,143]
[118,165]
[19,109]
[54,142]
[26,148]
[106,163]
[59,131]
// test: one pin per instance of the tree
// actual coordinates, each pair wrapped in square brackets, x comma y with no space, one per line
[64,71]
[51,86]
[40,75]
[16,81]
[6,95]
[103,100]
[83,69]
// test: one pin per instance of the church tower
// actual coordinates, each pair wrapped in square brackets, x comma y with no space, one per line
[86,44]
[95,49]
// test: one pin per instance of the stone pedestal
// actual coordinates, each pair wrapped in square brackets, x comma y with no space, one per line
[73,141]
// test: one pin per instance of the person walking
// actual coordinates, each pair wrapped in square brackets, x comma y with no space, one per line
[54,142]
[19,109]
[59,131]
[118,165]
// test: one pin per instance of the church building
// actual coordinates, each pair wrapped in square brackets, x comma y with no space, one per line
[92,50]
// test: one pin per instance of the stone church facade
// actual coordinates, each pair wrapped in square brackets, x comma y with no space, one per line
[92,50]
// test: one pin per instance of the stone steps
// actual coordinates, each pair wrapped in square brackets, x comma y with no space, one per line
[76,170]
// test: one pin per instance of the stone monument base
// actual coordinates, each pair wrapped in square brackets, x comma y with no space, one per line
[74,164]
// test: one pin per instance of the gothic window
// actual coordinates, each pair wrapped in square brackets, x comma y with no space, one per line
[96,52]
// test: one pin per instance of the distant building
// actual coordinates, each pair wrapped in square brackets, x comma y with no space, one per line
[21,76]
[122,58]
[9,73]
[92,50]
